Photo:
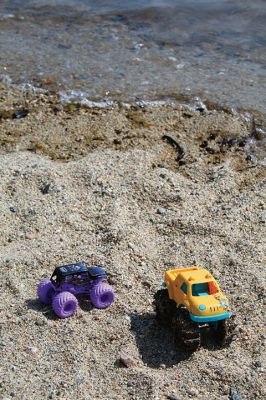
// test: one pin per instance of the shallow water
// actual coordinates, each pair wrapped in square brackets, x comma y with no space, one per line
[148,49]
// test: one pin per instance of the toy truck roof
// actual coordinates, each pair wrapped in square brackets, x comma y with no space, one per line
[78,268]
[190,275]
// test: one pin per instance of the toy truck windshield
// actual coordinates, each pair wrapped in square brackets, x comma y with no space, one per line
[204,289]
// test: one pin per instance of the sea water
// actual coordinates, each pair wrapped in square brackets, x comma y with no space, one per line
[144,49]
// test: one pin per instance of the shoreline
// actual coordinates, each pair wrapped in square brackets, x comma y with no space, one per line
[17,100]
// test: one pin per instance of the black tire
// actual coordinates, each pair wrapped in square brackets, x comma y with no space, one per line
[220,332]
[186,331]
[224,332]
[164,307]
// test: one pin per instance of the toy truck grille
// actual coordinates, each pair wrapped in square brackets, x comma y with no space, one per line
[216,308]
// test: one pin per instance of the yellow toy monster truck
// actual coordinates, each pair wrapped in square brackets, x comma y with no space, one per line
[191,301]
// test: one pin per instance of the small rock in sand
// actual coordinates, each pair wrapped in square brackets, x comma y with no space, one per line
[161,211]
[32,350]
[126,359]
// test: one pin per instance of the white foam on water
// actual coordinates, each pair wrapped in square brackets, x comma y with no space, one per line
[79,97]
[4,17]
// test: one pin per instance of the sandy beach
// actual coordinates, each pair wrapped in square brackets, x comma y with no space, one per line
[108,186]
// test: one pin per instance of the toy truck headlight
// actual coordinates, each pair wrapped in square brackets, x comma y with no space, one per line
[202,307]
[224,304]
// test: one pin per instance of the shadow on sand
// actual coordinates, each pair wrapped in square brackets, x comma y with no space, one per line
[155,343]
[47,311]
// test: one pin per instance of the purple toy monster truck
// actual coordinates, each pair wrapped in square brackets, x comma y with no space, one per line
[70,280]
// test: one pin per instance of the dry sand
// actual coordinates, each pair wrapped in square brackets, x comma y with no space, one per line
[118,195]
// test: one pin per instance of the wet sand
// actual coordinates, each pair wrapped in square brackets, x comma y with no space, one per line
[122,194]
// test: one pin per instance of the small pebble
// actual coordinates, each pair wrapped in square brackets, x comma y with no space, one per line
[32,350]
[257,364]
[30,236]
[225,389]
[162,366]
[130,382]
[249,157]
[47,188]
[161,211]
[80,381]
[117,141]
[126,360]
[13,209]
[173,396]
[40,322]
[21,113]
[147,284]
[234,394]
[193,392]
[112,280]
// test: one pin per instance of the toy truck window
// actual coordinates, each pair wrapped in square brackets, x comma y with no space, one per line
[184,287]
[213,288]
[200,289]
[80,278]
[204,289]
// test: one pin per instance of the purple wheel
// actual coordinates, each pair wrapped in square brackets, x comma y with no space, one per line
[65,304]
[102,295]
[45,291]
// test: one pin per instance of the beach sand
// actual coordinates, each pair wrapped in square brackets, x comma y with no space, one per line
[108,186]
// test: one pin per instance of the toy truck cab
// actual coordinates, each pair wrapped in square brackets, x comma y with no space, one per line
[198,291]
[77,274]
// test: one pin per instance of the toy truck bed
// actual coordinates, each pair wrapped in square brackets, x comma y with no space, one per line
[171,275]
